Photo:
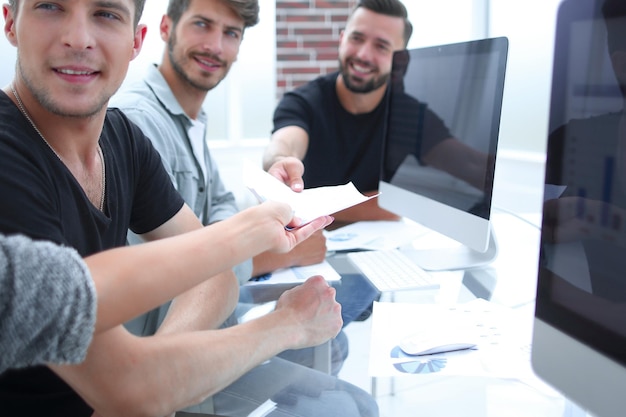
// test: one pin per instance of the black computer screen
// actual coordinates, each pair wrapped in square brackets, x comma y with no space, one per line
[437,93]
[582,273]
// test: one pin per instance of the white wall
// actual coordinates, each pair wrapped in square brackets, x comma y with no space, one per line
[8,54]
[241,107]
[529,25]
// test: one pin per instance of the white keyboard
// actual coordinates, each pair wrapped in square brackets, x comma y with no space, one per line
[391,270]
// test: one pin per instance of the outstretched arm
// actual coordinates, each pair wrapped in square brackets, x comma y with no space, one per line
[133,279]
[462,161]
[283,156]
[158,375]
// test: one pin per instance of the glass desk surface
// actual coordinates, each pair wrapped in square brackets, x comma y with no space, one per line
[510,283]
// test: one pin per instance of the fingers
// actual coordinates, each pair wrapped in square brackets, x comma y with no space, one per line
[294,175]
[302,233]
[279,210]
[329,295]
[289,170]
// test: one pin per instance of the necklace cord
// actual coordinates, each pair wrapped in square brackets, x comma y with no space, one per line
[22,109]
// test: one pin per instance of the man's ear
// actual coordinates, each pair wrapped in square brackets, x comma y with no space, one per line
[140,36]
[165,28]
[9,24]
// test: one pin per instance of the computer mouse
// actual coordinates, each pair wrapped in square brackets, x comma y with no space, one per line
[424,344]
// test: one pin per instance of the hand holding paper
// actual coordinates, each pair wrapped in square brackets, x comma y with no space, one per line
[308,204]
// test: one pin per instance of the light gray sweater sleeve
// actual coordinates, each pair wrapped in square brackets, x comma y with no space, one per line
[47,304]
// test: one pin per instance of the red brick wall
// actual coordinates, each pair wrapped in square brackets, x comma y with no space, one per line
[307,37]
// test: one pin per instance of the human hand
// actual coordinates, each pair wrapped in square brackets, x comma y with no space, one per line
[313,310]
[311,251]
[289,170]
[277,227]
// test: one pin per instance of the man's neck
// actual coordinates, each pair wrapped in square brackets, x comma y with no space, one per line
[358,103]
[74,139]
[189,98]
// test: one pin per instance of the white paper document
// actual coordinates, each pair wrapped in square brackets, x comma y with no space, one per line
[503,337]
[374,235]
[308,204]
[296,275]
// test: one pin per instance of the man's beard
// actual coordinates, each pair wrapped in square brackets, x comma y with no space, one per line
[180,71]
[373,84]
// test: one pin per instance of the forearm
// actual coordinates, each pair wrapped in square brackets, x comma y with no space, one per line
[309,252]
[267,262]
[205,306]
[126,375]
[274,152]
[289,141]
[132,280]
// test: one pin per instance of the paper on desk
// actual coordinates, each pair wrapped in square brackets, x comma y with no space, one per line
[298,274]
[308,204]
[373,235]
[503,338]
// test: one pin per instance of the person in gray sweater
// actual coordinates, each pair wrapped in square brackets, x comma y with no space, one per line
[56,280]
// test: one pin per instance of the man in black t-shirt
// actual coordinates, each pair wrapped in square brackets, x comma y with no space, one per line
[80,175]
[330,131]
[334,124]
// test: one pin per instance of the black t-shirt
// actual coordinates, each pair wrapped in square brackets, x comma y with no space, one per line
[41,199]
[413,129]
[343,146]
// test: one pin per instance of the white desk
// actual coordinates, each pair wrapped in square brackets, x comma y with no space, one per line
[509,281]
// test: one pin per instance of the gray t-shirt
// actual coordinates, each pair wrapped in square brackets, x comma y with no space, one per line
[47,304]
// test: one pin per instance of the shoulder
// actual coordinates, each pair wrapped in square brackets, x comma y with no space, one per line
[318,89]
[310,98]
[138,102]
[10,115]
[122,134]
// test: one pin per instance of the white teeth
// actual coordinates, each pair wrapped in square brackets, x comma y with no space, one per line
[72,72]
[361,69]
[209,64]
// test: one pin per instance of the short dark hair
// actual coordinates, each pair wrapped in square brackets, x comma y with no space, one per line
[247,10]
[139,4]
[393,8]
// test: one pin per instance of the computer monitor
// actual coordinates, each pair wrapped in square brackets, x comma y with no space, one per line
[579,338]
[439,152]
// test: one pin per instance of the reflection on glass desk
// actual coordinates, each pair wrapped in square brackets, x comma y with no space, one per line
[508,283]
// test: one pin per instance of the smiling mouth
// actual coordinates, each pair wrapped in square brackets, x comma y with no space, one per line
[209,63]
[66,71]
[361,69]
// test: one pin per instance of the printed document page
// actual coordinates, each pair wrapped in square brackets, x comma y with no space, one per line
[307,205]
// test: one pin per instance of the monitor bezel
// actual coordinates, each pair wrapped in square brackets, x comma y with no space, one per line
[473,232]
[552,313]
[581,358]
